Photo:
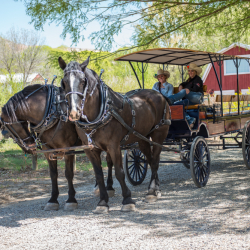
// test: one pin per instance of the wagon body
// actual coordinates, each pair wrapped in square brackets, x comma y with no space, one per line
[211,121]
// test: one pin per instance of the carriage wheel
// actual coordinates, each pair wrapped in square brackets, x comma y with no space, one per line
[135,166]
[246,144]
[200,161]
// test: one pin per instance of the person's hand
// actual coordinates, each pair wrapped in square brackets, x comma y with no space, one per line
[180,87]
[187,91]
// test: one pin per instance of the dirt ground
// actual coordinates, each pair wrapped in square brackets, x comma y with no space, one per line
[185,217]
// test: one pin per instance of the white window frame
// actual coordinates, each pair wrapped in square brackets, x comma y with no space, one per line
[233,74]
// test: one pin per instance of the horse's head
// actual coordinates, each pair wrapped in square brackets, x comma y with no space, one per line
[75,85]
[17,130]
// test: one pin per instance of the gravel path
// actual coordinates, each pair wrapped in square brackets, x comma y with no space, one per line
[185,217]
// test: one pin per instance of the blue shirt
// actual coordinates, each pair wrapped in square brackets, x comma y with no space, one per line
[166,91]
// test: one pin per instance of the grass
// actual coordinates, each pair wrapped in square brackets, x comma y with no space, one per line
[13,158]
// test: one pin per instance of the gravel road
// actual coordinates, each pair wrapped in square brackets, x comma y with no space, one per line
[185,217]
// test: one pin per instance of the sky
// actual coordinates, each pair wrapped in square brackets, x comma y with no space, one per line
[13,14]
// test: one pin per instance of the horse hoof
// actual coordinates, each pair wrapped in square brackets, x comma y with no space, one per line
[70,206]
[96,191]
[158,194]
[151,198]
[111,193]
[51,206]
[128,208]
[101,210]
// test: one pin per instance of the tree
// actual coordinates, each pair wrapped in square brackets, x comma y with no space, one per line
[163,18]
[21,52]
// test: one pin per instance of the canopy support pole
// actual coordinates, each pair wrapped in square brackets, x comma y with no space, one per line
[238,94]
[135,74]
[142,71]
[182,73]
[218,84]
[220,63]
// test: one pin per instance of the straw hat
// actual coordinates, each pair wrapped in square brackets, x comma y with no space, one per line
[193,66]
[162,72]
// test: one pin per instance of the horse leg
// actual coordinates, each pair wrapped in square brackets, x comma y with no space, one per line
[53,203]
[146,150]
[110,189]
[71,203]
[154,185]
[95,158]
[116,156]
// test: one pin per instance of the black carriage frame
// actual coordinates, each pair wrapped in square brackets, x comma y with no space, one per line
[187,142]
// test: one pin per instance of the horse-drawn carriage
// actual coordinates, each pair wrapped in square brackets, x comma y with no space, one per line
[210,119]
[88,109]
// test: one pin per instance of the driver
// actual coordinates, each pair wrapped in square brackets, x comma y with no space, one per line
[190,91]
[162,85]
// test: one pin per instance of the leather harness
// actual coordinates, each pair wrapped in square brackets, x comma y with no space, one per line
[108,112]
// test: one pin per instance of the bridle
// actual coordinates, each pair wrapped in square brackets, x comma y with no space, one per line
[84,94]
[16,138]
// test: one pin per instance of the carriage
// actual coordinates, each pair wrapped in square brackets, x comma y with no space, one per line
[103,125]
[211,120]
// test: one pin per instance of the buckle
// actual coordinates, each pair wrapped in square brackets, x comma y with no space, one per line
[92,132]
[126,137]
[157,126]
[64,118]
[133,113]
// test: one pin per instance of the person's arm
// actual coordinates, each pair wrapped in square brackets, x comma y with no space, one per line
[183,85]
[170,90]
[155,87]
[197,85]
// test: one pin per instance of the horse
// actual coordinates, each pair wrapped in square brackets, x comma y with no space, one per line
[102,117]
[41,107]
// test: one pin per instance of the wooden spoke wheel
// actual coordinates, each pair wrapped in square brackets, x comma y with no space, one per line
[135,166]
[200,161]
[246,144]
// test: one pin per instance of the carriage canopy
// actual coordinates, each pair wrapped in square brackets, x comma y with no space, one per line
[176,56]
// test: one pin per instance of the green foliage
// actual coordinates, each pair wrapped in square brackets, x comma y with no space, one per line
[156,20]
[8,89]
[118,75]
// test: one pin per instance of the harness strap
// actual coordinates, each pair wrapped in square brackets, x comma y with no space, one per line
[163,121]
[120,120]
[47,109]
[126,137]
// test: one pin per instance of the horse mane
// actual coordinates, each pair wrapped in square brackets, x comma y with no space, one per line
[18,101]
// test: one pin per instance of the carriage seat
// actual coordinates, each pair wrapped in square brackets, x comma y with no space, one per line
[176,89]
[196,106]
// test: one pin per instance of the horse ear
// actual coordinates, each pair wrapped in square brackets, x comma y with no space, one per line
[62,63]
[84,64]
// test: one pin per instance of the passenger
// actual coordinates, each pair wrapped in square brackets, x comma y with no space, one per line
[162,85]
[191,91]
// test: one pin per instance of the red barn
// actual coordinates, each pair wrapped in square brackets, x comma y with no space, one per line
[228,71]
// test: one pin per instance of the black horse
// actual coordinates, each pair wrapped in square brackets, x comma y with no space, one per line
[103,116]
[41,107]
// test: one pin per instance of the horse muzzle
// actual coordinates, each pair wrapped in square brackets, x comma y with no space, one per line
[74,115]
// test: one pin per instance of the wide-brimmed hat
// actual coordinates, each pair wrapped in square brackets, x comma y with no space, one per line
[162,72]
[193,66]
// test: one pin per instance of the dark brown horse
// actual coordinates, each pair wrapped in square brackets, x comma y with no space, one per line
[29,106]
[102,116]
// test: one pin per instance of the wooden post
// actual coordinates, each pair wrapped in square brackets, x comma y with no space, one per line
[74,163]
[34,162]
